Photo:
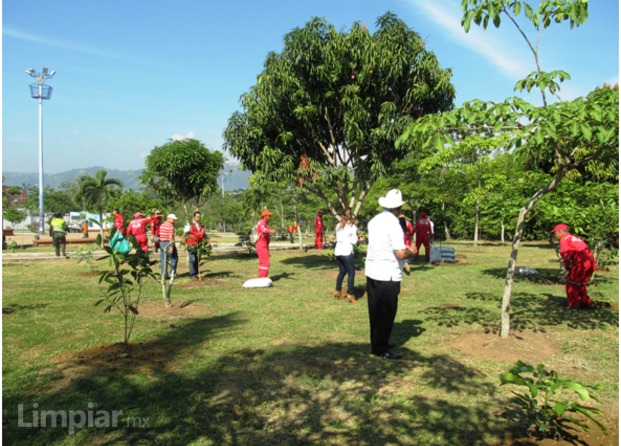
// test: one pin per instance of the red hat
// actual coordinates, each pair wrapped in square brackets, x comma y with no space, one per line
[423,214]
[560,227]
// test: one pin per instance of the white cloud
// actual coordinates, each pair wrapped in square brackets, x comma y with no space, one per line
[179,137]
[71,46]
[447,15]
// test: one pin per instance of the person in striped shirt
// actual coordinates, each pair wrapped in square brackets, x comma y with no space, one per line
[168,250]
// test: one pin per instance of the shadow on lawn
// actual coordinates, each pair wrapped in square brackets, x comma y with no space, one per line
[528,312]
[12,308]
[324,394]
[316,261]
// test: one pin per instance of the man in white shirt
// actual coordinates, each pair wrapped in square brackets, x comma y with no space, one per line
[383,270]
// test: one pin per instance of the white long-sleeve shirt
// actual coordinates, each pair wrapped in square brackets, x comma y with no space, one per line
[346,238]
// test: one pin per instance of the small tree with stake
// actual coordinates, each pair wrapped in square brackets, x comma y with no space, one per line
[125,283]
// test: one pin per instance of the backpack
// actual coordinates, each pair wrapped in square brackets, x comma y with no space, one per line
[254,235]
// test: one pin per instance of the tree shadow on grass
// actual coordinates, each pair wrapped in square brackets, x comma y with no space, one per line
[12,308]
[315,261]
[528,312]
[325,394]
[544,276]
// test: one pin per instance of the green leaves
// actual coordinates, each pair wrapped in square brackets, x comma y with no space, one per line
[335,99]
[123,293]
[546,13]
[541,409]
[183,170]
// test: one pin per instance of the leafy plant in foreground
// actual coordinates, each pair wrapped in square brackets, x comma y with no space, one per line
[542,406]
[125,283]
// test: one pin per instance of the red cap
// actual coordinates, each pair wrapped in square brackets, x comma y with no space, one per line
[560,227]
[423,214]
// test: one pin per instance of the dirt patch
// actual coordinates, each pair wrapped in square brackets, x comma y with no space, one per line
[96,362]
[533,347]
[524,346]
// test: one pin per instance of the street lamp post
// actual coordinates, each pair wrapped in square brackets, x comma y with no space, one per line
[223,220]
[39,90]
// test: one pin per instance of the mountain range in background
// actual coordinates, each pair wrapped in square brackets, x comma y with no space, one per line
[234,178]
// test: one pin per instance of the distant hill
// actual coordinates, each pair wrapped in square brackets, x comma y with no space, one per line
[234,179]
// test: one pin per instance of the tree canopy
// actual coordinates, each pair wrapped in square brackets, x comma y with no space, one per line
[94,191]
[182,171]
[578,138]
[327,110]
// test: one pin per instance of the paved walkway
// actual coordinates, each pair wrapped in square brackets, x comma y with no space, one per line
[21,255]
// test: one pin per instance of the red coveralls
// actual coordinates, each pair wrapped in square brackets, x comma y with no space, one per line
[409,232]
[423,236]
[138,228]
[319,229]
[155,230]
[579,259]
[263,248]
[118,223]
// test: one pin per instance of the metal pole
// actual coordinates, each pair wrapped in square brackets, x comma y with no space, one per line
[41,215]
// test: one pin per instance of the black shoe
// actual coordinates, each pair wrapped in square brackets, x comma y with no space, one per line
[389,354]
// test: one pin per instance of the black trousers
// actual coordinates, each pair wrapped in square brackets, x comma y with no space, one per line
[382,297]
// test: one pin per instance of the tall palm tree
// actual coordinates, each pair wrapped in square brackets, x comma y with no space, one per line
[93,191]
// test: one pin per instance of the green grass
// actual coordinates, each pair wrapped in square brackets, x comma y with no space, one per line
[289,364]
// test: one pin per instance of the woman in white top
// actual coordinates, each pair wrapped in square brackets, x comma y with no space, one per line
[346,238]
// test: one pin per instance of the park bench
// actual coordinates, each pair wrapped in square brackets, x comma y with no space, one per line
[44,241]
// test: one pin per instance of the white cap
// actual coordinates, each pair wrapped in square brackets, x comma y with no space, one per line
[173,216]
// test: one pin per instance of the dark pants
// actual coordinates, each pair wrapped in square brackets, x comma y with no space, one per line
[193,259]
[168,254]
[346,266]
[59,240]
[382,298]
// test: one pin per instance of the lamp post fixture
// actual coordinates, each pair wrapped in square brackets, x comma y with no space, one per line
[40,91]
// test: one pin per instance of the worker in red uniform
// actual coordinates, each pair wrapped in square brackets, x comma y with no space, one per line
[118,221]
[156,222]
[138,228]
[579,261]
[319,230]
[422,229]
[408,230]
[263,244]
[195,236]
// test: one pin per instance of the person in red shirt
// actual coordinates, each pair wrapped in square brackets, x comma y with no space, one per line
[156,222]
[118,221]
[408,233]
[138,228]
[422,229]
[319,230]
[263,244]
[195,236]
[580,262]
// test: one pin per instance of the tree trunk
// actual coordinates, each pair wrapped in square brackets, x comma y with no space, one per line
[505,318]
[447,235]
[476,224]
[502,232]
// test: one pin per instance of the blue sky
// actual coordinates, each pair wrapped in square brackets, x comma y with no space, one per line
[133,74]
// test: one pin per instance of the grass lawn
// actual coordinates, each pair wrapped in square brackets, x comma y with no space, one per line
[289,364]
